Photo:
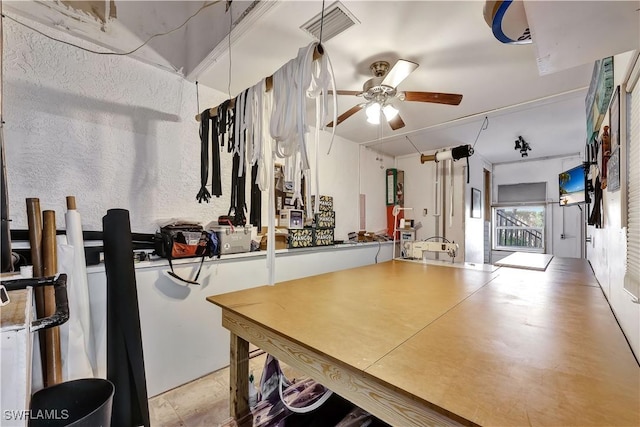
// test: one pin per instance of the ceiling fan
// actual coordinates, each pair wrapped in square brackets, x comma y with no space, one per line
[379,92]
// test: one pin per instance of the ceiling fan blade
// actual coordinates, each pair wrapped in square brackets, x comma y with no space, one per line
[399,72]
[346,92]
[396,123]
[344,116]
[436,97]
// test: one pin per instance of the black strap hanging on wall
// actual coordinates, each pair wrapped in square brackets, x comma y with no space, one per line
[231,124]
[255,217]
[238,204]
[203,194]
[222,120]
[468,170]
[216,182]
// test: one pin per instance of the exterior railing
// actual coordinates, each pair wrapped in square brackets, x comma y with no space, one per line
[512,232]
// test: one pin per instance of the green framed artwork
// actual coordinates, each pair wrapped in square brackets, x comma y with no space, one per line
[613,165]
[598,97]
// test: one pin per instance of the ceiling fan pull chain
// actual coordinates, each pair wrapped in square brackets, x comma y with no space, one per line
[321,23]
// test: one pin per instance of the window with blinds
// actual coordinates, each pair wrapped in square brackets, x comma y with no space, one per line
[632,275]
[519,217]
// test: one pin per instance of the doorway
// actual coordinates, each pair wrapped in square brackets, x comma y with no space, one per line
[487,215]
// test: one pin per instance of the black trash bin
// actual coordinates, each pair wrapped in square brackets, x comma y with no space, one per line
[79,403]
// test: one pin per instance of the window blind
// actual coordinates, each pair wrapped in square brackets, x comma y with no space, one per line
[522,193]
[632,275]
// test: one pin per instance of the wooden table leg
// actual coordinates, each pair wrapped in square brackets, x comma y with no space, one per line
[239,380]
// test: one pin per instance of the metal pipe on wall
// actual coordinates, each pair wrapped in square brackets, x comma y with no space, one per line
[451,193]
[437,196]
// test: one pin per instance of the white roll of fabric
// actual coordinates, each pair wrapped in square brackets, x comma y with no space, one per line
[75,360]
[78,295]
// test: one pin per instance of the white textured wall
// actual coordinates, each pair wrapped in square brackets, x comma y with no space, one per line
[117,133]
[110,130]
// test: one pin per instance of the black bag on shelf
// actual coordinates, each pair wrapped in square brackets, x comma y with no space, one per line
[178,241]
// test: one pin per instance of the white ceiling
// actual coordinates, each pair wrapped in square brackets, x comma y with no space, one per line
[536,91]
[457,53]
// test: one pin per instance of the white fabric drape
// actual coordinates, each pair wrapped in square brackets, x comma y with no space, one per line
[275,125]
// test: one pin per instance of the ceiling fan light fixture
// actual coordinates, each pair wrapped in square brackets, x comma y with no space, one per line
[390,112]
[373,113]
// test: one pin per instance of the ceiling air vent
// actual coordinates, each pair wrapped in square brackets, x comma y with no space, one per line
[336,19]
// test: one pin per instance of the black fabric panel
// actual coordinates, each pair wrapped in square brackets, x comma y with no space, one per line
[125,360]
[5,241]
[216,182]
[203,194]
[256,200]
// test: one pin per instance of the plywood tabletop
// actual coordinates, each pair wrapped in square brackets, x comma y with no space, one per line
[511,347]
[526,260]
[523,352]
[357,316]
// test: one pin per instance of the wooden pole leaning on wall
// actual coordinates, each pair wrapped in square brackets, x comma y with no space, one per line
[52,335]
[317,54]
[34,221]
[71,203]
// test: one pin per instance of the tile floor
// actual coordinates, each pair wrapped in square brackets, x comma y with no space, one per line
[203,402]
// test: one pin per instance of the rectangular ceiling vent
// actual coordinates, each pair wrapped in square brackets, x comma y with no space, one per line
[336,19]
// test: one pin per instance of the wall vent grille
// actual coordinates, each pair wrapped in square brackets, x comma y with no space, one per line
[336,19]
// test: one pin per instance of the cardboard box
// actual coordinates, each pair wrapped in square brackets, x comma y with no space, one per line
[326,219]
[324,204]
[282,239]
[323,237]
[365,236]
[301,238]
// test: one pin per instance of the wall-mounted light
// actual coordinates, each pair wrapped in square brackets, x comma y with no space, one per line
[523,146]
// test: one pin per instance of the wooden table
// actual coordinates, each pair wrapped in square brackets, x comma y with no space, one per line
[418,344]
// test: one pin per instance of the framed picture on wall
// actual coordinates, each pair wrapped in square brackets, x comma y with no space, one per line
[613,165]
[614,119]
[476,203]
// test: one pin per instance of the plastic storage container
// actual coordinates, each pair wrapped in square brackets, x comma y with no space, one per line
[79,403]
